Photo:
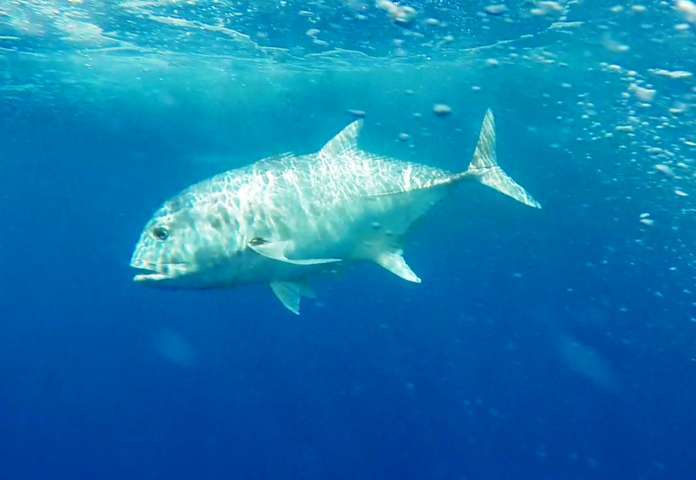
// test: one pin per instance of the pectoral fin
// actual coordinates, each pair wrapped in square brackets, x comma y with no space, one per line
[395,263]
[277,251]
[290,293]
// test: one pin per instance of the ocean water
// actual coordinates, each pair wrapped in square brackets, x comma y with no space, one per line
[542,344]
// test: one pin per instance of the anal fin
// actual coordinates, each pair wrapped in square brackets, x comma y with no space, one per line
[394,262]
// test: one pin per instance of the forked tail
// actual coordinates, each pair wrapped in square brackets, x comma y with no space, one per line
[485,167]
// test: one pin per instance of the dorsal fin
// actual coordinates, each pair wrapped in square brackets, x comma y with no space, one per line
[345,141]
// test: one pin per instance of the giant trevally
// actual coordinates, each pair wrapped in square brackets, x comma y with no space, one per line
[286,218]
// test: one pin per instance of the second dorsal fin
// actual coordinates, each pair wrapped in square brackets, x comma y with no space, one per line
[345,141]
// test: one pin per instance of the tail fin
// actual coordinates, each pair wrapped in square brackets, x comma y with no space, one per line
[485,167]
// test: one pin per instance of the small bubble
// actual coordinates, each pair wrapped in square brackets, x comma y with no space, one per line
[688,9]
[673,74]
[442,109]
[495,9]
[665,169]
[644,94]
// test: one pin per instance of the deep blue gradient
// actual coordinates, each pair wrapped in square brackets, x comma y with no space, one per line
[551,344]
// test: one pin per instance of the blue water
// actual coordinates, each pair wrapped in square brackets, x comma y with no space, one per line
[551,344]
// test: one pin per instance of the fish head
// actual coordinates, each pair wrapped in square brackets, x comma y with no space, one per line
[183,243]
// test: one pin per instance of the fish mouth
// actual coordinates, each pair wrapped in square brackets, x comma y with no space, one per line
[150,277]
[152,272]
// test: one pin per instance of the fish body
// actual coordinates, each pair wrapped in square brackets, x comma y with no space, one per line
[287,218]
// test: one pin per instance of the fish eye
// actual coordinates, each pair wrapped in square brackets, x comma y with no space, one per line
[160,233]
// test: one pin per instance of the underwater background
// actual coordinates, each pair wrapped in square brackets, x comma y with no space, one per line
[542,344]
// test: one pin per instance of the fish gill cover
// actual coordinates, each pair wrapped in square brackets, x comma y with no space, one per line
[541,344]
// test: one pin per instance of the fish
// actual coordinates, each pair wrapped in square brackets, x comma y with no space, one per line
[290,218]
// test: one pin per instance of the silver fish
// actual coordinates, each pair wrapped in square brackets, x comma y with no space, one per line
[287,218]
